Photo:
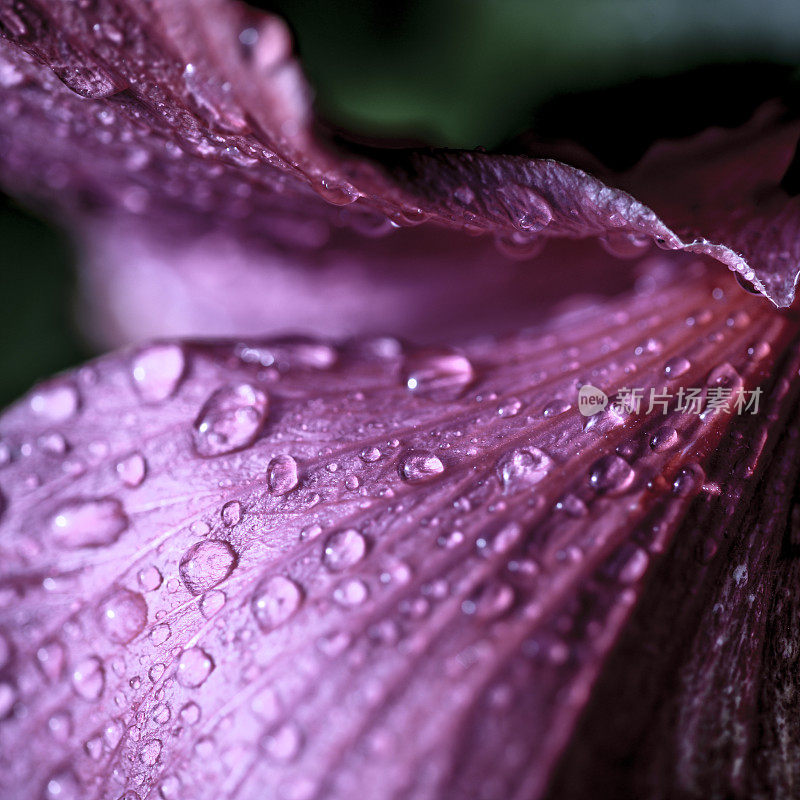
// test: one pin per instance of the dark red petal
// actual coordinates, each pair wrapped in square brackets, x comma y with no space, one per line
[313,570]
[177,126]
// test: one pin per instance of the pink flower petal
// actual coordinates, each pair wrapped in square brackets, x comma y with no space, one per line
[187,156]
[369,568]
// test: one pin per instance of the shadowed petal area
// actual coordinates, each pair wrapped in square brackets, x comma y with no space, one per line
[310,569]
[160,132]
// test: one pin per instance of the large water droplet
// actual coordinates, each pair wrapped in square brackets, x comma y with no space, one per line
[418,467]
[344,549]
[230,420]
[437,375]
[206,564]
[523,468]
[89,679]
[275,600]
[157,371]
[611,475]
[194,666]
[123,615]
[55,403]
[282,474]
[89,523]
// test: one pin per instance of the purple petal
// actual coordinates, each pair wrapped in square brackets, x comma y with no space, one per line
[308,569]
[189,161]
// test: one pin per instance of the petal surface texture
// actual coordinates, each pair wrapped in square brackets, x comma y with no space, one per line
[177,140]
[325,569]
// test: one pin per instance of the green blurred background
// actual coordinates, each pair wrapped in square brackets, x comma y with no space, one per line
[463,73]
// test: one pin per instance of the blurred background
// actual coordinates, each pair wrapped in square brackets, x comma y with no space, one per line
[611,74]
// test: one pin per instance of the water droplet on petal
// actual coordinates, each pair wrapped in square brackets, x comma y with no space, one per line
[63,785]
[161,714]
[688,480]
[464,195]
[231,513]
[60,726]
[344,549]
[623,244]
[418,467]
[230,420]
[370,454]
[282,475]
[275,600]
[340,194]
[53,443]
[537,215]
[157,371]
[160,634]
[491,602]
[170,788]
[509,408]
[523,468]
[556,407]
[206,564]
[212,603]
[611,475]
[150,752]
[56,403]
[573,506]
[745,283]
[190,713]
[123,615]
[677,366]
[351,593]
[132,470]
[283,744]
[635,567]
[437,375]
[8,696]
[89,523]
[89,679]
[51,658]
[5,650]
[664,438]
[150,578]
[194,666]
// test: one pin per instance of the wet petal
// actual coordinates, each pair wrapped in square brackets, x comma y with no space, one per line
[430,601]
[196,178]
